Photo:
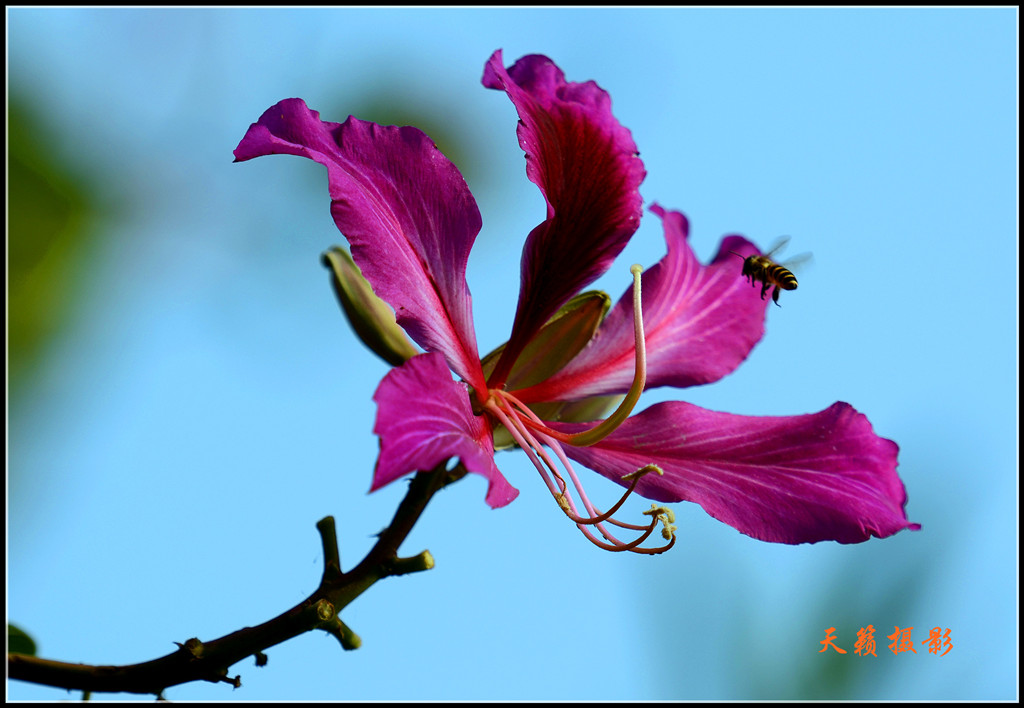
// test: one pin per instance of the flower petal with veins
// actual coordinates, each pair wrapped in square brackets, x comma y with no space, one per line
[411,221]
[424,418]
[700,323]
[794,479]
[406,210]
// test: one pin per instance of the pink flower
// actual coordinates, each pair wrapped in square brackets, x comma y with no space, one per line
[411,222]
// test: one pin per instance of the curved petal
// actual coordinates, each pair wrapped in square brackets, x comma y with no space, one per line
[587,168]
[700,322]
[423,418]
[799,479]
[406,210]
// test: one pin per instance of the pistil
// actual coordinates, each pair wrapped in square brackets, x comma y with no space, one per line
[602,430]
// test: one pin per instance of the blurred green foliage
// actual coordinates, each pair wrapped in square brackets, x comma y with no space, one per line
[49,217]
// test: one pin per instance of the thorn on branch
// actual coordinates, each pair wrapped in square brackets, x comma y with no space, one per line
[261,658]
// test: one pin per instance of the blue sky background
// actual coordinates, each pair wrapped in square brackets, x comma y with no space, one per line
[208,403]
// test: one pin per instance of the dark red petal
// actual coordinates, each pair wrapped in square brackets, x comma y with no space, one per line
[587,168]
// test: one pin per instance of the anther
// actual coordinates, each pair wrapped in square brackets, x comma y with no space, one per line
[666,516]
[641,472]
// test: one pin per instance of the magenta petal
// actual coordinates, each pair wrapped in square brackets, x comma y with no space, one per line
[586,165]
[424,418]
[800,479]
[701,322]
[406,210]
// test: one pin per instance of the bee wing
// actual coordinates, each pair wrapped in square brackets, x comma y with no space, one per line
[777,245]
[797,261]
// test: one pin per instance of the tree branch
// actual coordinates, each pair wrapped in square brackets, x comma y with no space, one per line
[209,661]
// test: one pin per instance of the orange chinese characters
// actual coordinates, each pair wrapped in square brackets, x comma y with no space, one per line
[828,641]
[937,639]
[865,641]
[901,640]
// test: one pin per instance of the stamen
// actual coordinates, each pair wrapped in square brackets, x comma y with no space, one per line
[530,416]
[525,439]
[597,516]
[527,442]
[564,501]
[632,546]
[533,435]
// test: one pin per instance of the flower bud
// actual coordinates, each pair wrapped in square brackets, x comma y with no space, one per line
[370,317]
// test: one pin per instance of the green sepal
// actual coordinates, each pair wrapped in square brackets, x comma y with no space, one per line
[370,317]
[588,409]
[562,338]
[557,342]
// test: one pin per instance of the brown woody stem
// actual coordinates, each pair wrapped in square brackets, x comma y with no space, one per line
[209,661]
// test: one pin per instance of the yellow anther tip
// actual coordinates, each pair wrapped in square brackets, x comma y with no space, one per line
[641,472]
[636,269]
[659,511]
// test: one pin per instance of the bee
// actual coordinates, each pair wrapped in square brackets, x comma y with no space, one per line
[762,268]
